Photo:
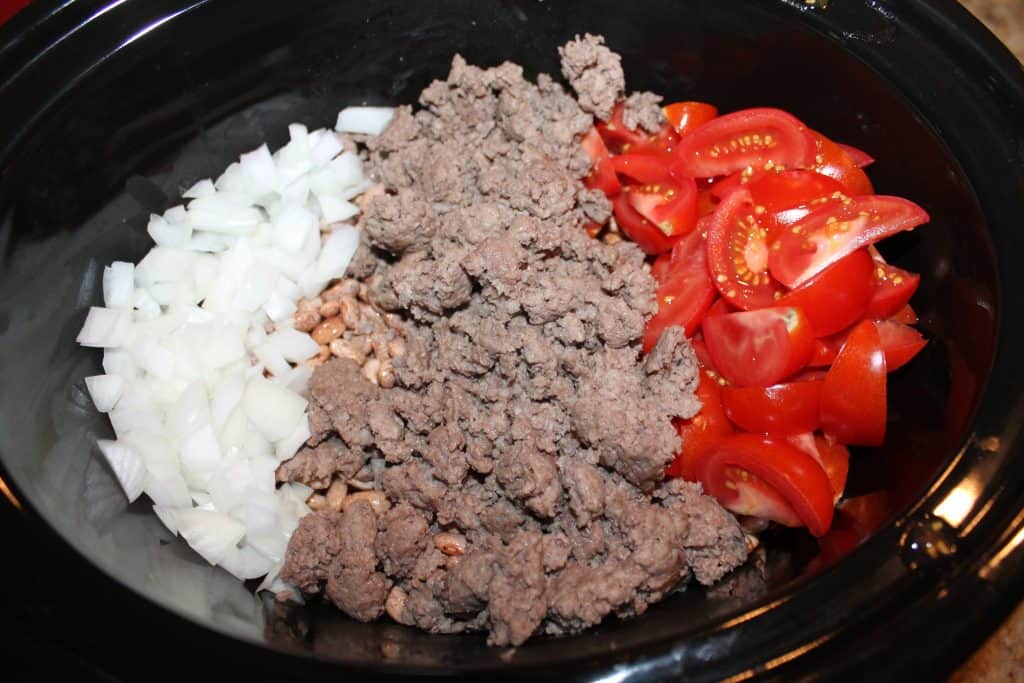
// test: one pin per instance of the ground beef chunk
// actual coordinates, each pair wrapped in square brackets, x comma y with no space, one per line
[643,110]
[595,73]
[525,424]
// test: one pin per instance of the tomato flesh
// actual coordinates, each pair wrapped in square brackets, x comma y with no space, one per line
[637,228]
[700,432]
[893,288]
[602,173]
[686,292]
[828,234]
[738,253]
[858,156]
[794,475]
[751,137]
[900,343]
[853,394]
[838,296]
[778,410]
[643,167]
[669,206]
[759,348]
[685,116]
[834,162]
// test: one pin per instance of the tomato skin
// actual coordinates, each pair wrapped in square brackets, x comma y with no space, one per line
[615,133]
[637,228]
[735,237]
[670,206]
[793,474]
[859,157]
[905,315]
[685,116]
[900,343]
[833,457]
[686,292]
[643,167]
[778,410]
[828,234]
[762,135]
[826,349]
[835,163]
[602,174]
[853,394]
[759,348]
[700,432]
[893,288]
[838,296]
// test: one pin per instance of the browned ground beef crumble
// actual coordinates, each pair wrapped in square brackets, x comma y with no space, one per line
[525,425]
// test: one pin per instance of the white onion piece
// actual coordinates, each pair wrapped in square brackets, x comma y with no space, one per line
[163,264]
[338,250]
[105,328]
[290,445]
[146,307]
[203,188]
[273,409]
[165,486]
[295,346]
[290,227]
[119,284]
[260,169]
[119,362]
[365,120]
[278,307]
[127,466]
[190,412]
[176,214]
[335,209]
[105,391]
[272,359]
[297,379]
[166,515]
[224,212]
[225,398]
[246,563]
[212,534]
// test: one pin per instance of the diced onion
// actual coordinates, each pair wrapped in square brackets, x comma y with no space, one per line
[366,120]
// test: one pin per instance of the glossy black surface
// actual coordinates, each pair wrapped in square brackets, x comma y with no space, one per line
[111,109]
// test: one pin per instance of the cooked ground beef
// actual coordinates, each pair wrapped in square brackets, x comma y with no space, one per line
[525,440]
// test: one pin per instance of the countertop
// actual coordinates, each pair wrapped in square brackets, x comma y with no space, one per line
[1001,658]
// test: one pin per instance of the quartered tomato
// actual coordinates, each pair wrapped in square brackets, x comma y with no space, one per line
[900,343]
[759,348]
[826,349]
[828,234]
[643,167]
[853,395]
[750,137]
[619,138]
[905,315]
[796,478]
[660,267]
[738,253]
[685,116]
[833,457]
[702,431]
[835,163]
[858,156]
[836,297]
[789,196]
[637,228]
[671,206]
[893,289]
[602,173]
[777,410]
[684,294]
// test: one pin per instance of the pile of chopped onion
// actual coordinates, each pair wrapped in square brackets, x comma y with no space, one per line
[204,401]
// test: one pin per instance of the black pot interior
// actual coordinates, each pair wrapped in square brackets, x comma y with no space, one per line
[181,99]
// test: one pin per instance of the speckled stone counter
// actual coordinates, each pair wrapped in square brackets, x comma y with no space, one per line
[1001,658]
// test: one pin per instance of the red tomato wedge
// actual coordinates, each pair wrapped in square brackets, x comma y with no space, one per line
[643,167]
[835,163]
[701,432]
[853,395]
[905,315]
[706,202]
[759,348]
[900,343]
[788,197]
[620,139]
[660,267]
[826,349]
[685,116]
[750,137]
[637,228]
[738,253]
[838,296]
[893,289]
[794,475]
[833,457]
[828,234]
[858,156]
[670,206]
[686,292]
[777,410]
[602,174]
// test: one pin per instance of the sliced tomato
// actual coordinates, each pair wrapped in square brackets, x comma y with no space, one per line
[853,395]
[855,520]
[750,137]
[797,478]
[619,138]
[700,349]
[833,457]
[777,410]
[686,292]
[660,267]
[759,348]
[738,253]
[789,196]
[700,432]
[826,349]
[593,228]
[900,343]
[828,234]
[720,307]
[893,289]
[836,297]
[858,156]
[707,202]
[833,162]
[602,174]
[685,116]
[637,228]
[643,167]
[905,315]
[669,205]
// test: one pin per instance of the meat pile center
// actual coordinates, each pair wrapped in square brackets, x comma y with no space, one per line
[519,456]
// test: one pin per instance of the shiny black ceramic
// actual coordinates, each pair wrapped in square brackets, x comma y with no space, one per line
[109,109]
